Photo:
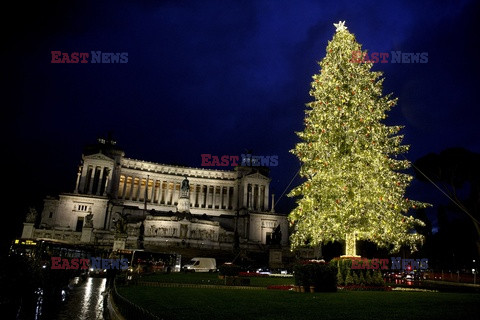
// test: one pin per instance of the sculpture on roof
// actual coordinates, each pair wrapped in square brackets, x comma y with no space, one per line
[31,215]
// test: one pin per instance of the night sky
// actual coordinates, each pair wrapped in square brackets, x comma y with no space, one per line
[218,77]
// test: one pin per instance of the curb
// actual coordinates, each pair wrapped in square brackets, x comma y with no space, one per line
[113,310]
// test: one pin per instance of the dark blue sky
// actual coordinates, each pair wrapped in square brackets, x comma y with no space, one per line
[218,77]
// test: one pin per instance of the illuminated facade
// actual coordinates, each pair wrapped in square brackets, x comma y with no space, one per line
[156,205]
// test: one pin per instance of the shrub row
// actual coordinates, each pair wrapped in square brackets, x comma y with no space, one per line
[347,276]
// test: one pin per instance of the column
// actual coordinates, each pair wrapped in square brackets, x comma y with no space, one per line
[92,177]
[152,193]
[132,186]
[213,197]
[124,187]
[83,180]
[216,197]
[250,197]
[228,198]
[160,191]
[273,203]
[79,174]
[175,193]
[137,197]
[265,199]
[195,196]
[202,196]
[245,195]
[222,198]
[192,195]
[100,179]
[236,191]
[257,197]
[107,179]
[169,193]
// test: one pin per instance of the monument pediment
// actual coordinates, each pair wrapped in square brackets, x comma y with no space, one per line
[98,156]
[257,175]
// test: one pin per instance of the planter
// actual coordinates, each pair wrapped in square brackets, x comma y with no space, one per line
[302,289]
[312,289]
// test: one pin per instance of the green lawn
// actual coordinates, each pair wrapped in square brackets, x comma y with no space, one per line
[195,303]
[212,278]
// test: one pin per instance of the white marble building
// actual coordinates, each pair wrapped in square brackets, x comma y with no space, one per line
[162,205]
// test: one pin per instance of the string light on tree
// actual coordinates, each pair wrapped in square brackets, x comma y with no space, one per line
[354,184]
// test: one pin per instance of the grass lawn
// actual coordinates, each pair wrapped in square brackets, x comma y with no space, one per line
[196,303]
[212,278]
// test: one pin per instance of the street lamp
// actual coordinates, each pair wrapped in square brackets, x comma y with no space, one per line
[474,273]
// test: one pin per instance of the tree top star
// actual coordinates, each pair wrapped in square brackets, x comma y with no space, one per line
[340,26]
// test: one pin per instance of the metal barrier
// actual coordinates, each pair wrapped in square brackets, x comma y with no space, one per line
[128,309]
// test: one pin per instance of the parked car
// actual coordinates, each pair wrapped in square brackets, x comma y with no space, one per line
[409,277]
[201,264]
[263,271]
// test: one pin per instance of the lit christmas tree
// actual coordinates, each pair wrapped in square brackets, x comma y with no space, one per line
[354,185]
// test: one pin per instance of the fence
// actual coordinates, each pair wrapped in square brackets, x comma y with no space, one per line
[130,310]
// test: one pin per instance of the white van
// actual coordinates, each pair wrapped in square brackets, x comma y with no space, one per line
[200,264]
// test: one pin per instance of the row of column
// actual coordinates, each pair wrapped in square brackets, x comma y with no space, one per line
[255,196]
[167,192]
[93,180]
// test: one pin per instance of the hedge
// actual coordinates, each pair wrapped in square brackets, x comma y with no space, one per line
[320,275]
[347,276]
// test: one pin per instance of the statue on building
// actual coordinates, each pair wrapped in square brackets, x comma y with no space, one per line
[121,223]
[185,188]
[89,220]
[183,205]
[276,236]
[31,215]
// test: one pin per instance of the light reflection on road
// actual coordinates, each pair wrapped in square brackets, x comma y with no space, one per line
[85,302]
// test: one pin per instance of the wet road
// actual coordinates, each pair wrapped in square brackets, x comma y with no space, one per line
[86,301]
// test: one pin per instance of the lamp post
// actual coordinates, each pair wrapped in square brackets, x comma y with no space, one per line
[474,271]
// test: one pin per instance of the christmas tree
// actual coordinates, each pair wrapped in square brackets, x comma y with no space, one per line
[354,179]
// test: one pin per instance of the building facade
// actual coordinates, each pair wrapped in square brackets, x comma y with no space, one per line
[127,203]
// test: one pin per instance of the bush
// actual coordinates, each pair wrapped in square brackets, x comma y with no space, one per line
[377,279]
[348,278]
[356,276]
[321,275]
[340,280]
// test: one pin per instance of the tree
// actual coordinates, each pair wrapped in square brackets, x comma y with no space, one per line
[354,184]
